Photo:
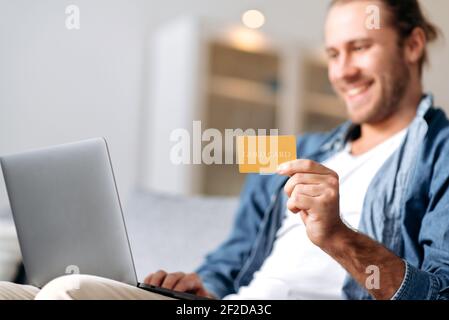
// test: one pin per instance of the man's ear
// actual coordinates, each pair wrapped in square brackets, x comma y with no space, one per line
[415,46]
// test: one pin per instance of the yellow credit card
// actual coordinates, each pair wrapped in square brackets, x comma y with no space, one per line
[263,154]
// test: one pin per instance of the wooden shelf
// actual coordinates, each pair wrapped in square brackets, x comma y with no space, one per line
[227,61]
[244,90]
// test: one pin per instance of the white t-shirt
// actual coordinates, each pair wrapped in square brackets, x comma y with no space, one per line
[296,268]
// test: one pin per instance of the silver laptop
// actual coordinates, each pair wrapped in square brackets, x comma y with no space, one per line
[68,216]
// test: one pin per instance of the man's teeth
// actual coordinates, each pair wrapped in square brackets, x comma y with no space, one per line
[356,91]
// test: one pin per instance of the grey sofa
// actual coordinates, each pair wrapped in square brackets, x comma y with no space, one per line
[174,233]
[169,232]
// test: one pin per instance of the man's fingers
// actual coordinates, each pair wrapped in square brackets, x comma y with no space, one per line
[303,166]
[172,279]
[310,190]
[148,278]
[156,278]
[302,198]
[303,178]
[178,281]
[189,283]
[303,215]
[299,201]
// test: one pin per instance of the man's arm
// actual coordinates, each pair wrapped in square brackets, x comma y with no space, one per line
[313,192]
[372,265]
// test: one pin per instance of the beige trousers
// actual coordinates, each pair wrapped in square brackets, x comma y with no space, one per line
[77,287]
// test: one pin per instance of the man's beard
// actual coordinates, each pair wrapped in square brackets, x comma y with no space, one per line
[394,87]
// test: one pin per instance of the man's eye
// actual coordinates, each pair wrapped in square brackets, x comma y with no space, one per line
[360,47]
[332,55]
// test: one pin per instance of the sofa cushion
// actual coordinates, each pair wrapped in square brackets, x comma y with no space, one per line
[174,233]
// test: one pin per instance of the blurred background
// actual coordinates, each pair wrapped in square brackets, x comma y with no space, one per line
[136,70]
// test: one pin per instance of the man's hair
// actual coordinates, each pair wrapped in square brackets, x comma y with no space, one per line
[406,15]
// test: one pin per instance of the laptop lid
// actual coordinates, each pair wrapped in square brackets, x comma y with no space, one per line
[67,212]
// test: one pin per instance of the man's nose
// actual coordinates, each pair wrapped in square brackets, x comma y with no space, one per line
[344,69]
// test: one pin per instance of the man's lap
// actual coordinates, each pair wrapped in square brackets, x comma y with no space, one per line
[77,287]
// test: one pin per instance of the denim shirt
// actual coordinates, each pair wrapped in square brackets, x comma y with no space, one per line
[406,208]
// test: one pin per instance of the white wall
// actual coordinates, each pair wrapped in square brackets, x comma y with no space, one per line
[58,85]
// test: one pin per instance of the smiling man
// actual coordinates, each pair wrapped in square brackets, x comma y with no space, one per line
[364,214]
